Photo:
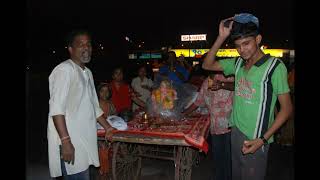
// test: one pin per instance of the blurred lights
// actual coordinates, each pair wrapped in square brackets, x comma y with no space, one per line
[264,47]
[102,47]
[53,52]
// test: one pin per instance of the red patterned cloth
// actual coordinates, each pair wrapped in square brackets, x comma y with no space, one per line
[193,130]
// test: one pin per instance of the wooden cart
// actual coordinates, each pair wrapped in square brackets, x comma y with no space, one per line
[180,145]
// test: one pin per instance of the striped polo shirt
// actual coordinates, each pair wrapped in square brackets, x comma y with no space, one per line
[256,93]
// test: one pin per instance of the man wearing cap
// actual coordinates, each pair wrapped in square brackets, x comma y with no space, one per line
[260,80]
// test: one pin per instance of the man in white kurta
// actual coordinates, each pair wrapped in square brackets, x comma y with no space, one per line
[73,95]
[141,85]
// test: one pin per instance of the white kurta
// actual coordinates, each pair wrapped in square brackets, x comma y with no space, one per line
[73,94]
[136,85]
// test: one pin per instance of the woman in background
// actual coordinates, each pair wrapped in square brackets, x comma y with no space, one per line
[104,96]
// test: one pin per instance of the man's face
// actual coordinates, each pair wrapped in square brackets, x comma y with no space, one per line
[172,58]
[142,72]
[247,47]
[81,49]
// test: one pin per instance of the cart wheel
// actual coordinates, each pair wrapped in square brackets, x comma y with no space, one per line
[126,162]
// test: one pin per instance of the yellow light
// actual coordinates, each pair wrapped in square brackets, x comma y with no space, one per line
[224,52]
[179,52]
[227,53]
[275,52]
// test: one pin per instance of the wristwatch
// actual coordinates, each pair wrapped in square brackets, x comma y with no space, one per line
[265,142]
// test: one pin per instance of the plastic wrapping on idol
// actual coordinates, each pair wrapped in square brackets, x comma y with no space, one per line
[168,100]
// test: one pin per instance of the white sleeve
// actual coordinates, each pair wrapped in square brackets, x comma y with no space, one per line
[59,85]
[150,83]
[135,85]
[97,107]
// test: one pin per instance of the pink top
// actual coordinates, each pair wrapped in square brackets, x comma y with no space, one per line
[219,104]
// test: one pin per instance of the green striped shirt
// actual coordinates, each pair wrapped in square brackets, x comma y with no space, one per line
[256,93]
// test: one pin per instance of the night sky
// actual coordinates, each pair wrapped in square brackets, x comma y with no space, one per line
[157,23]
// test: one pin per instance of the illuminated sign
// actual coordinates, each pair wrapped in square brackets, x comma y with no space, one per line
[156,55]
[197,53]
[275,52]
[132,56]
[195,37]
[190,52]
[179,52]
[227,53]
[145,56]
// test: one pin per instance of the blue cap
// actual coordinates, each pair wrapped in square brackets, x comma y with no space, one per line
[246,18]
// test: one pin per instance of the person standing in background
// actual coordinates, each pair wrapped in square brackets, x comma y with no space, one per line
[142,86]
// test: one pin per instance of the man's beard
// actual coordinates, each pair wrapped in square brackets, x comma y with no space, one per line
[85,57]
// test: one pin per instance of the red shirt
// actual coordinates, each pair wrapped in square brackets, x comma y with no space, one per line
[121,97]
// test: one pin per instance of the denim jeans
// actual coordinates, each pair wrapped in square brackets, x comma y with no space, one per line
[221,151]
[84,175]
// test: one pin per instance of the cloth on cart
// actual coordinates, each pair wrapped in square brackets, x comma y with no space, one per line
[193,130]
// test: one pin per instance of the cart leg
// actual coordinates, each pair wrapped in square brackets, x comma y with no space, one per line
[126,162]
[186,160]
[178,151]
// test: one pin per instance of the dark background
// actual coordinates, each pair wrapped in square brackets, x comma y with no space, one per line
[156,23]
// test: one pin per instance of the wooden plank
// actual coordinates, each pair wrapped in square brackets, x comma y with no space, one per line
[149,140]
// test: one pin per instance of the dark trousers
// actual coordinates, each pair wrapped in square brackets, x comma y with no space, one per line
[249,166]
[221,151]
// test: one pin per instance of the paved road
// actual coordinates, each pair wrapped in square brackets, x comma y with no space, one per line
[280,167]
